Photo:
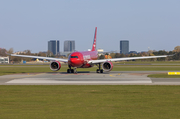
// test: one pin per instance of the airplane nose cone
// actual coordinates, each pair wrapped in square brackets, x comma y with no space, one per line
[75,59]
[75,62]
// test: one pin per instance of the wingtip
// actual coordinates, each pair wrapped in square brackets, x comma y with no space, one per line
[7,53]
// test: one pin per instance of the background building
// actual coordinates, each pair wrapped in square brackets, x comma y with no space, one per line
[4,60]
[69,46]
[53,46]
[100,50]
[124,46]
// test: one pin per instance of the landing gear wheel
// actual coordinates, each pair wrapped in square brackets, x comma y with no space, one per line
[68,71]
[97,71]
[72,70]
[101,71]
[75,71]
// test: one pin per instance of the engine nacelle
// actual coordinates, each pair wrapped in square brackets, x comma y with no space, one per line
[55,65]
[107,66]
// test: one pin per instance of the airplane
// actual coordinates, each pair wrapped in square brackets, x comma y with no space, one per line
[85,59]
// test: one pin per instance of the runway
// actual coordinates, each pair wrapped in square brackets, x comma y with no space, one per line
[87,78]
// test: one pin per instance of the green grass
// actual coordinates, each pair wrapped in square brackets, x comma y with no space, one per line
[23,69]
[89,102]
[6,69]
[163,75]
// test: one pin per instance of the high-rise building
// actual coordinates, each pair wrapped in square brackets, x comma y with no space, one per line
[69,46]
[124,46]
[53,46]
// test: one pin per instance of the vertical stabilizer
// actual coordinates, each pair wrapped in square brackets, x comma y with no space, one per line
[94,43]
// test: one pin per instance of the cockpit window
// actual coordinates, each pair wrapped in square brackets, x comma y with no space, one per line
[74,56]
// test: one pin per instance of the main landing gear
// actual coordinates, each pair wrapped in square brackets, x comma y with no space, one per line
[99,70]
[71,70]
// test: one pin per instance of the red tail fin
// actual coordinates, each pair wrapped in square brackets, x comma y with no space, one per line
[94,43]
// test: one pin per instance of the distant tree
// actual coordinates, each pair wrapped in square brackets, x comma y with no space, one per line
[101,57]
[50,54]
[131,55]
[27,52]
[171,52]
[144,54]
[137,55]
[117,55]
[122,55]
[16,59]
[3,52]
[112,55]
[176,49]
[107,54]
[41,54]
[161,52]
[150,52]
[10,51]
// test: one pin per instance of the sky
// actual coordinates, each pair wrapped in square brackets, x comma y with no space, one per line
[30,24]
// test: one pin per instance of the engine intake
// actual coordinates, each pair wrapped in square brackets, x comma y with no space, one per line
[107,66]
[55,66]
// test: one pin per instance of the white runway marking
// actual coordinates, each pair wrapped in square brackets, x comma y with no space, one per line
[77,81]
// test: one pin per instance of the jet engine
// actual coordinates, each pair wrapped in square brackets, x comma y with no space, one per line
[107,66]
[55,65]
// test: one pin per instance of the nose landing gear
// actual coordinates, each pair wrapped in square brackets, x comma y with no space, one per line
[72,70]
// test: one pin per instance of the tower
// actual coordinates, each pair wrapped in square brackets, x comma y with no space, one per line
[53,46]
[69,46]
[124,46]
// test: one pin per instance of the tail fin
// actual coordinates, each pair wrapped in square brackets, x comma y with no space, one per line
[94,43]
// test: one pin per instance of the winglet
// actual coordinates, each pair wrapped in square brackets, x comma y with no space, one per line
[94,43]
[172,55]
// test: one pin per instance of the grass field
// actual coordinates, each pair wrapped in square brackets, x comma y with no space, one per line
[87,102]
[10,69]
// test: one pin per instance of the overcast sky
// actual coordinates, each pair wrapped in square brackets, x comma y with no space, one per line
[30,24]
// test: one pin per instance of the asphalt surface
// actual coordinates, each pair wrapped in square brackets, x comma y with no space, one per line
[88,78]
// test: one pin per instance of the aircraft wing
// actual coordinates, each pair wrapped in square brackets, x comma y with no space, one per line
[38,57]
[125,58]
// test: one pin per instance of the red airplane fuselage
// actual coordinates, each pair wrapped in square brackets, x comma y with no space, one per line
[80,59]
